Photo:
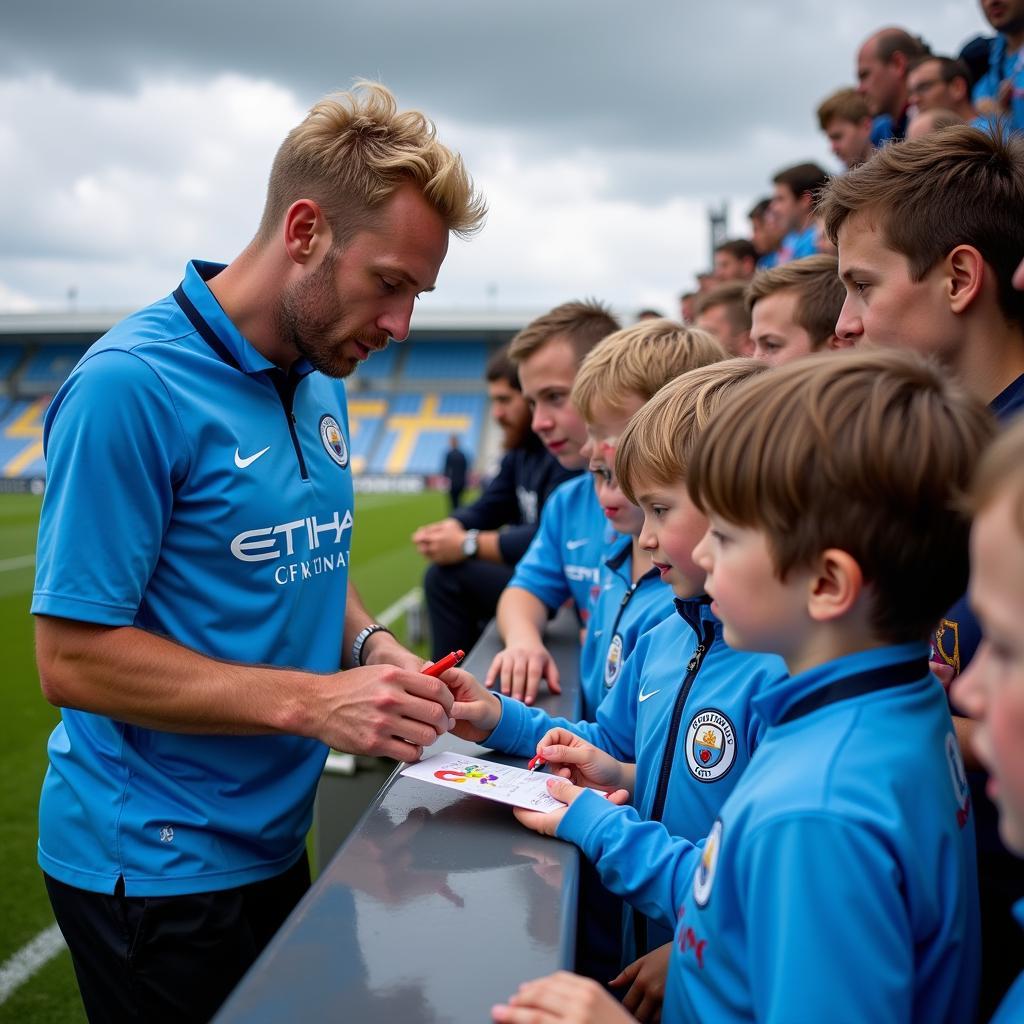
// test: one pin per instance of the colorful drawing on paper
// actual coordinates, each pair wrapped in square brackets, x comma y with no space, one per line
[471,773]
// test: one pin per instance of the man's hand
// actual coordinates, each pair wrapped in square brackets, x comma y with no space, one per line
[561,998]
[476,710]
[441,542]
[384,711]
[646,978]
[519,669]
[547,824]
[582,763]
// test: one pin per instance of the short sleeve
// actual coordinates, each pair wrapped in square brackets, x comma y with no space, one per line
[115,450]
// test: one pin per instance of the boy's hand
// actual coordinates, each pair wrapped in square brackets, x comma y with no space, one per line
[519,669]
[561,998]
[547,824]
[476,710]
[647,991]
[581,762]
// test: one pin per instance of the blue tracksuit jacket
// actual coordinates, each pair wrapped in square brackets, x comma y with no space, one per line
[682,712]
[838,881]
[623,611]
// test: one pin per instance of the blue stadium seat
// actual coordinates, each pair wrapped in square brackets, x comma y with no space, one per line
[380,364]
[414,436]
[446,360]
[48,367]
[10,356]
[21,438]
[366,413]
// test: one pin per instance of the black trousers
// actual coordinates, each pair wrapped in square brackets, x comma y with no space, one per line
[169,958]
[461,600]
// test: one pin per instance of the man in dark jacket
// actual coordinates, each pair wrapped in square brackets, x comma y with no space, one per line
[455,466]
[476,548]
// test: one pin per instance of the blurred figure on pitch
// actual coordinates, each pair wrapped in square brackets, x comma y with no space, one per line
[456,466]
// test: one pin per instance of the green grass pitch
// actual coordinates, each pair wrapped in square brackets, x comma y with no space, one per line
[384,566]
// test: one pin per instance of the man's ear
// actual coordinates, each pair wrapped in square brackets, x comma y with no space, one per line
[305,230]
[965,276]
[836,585]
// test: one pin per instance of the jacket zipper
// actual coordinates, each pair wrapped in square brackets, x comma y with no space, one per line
[285,386]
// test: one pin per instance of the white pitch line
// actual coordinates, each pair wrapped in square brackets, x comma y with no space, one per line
[20,967]
[20,562]
[400,607]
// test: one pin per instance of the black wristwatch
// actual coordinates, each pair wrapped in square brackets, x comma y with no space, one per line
[360,641]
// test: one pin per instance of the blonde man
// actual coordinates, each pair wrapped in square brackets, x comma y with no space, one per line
[794,309]
[192,601]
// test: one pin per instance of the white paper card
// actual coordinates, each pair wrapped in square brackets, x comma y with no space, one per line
[515,786]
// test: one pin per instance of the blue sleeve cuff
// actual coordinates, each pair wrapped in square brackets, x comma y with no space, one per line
[519,729]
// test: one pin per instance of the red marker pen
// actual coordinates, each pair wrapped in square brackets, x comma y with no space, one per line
[442,666]
[536,762]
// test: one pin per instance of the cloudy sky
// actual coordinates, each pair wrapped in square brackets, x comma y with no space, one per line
[134,136]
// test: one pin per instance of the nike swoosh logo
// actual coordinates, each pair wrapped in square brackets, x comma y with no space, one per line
[572,545]
[641,696]
[246,462]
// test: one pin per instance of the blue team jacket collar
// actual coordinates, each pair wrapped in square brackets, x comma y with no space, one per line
[694,610]
[774,701]
[619,556]
[197,273]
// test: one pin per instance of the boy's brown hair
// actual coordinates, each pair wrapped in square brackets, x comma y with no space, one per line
[870,454]
[1001,473]
[957,186]
[844,105]
[655,447]
[582,324]
[638,361]
[730,296]
[821,293]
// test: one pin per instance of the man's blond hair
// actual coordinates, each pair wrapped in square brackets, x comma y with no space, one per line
[870,454]
[582,324]
[637,361]
[656,446]
[351,153]
[820,293]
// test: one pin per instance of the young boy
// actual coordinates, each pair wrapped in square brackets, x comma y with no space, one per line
[563,559]
[681,681]
[794,308]
[992,689]
[941,282]
[838,879]
[621,374]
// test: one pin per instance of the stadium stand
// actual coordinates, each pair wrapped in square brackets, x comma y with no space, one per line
[21,438]
[47,368]
[10,357]
[446,360]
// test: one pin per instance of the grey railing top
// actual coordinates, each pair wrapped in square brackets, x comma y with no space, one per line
[436,907]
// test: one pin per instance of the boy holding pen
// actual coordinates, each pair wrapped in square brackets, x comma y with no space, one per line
[838,879]
[680,679]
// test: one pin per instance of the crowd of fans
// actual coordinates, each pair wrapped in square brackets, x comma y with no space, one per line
[914,246]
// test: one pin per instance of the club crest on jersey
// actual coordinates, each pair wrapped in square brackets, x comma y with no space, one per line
[710,745]
[613,663]
[334,440]
[704,876]
[958,776]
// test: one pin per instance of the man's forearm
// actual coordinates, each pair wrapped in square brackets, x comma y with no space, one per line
[143,679]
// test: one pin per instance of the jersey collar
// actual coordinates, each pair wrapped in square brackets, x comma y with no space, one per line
[773,702]
[242,353]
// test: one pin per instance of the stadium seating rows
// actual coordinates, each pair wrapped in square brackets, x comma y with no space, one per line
[391,432]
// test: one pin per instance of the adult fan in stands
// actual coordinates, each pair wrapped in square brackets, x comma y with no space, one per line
[172,589]
[476,548]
